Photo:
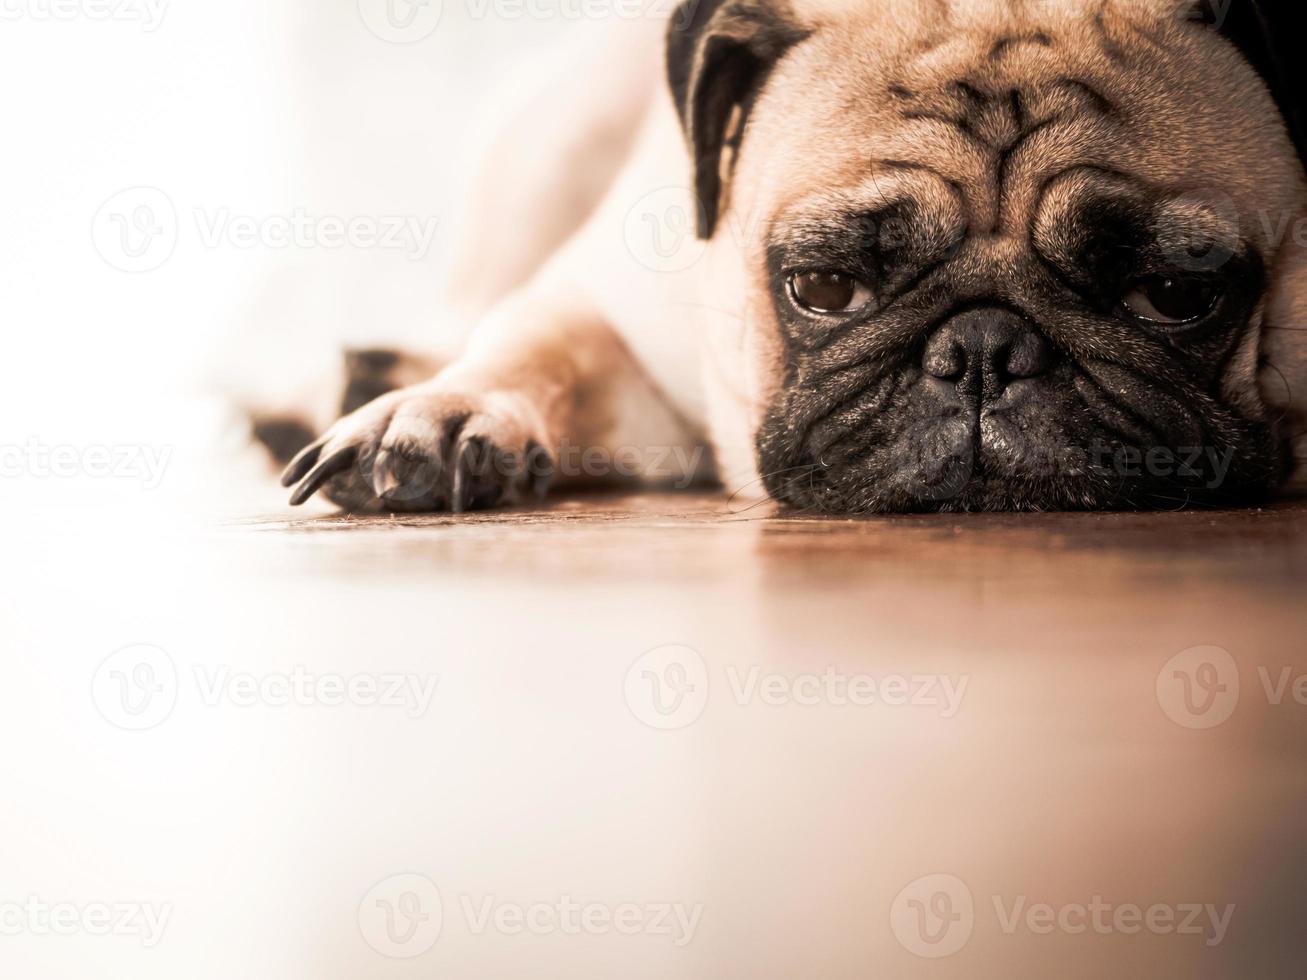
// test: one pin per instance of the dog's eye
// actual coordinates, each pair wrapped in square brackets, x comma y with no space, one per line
[824,291]
[1170,301]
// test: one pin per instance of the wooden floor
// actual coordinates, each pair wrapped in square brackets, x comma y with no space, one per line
[1073,766]
[950,582]
[854,746]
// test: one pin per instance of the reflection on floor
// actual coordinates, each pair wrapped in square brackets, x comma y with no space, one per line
[1044,745]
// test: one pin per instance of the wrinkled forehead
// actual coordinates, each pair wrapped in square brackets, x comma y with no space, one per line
[1016,16]
[978,108]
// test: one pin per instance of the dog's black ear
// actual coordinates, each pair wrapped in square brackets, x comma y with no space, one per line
[718,55]
[1268,35]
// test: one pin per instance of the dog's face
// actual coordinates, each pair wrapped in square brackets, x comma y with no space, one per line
[1000,255]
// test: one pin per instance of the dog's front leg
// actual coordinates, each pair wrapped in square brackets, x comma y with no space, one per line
[543,377]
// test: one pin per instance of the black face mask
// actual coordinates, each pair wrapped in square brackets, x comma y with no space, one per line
[1268,33]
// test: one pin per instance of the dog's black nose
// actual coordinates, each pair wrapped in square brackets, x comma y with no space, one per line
[983,351]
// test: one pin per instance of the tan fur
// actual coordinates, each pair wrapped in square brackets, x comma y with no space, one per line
[595,348]
[1283,376]
[826,118]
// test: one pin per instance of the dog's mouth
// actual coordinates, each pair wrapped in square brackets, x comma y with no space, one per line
[989,416]
[991,461]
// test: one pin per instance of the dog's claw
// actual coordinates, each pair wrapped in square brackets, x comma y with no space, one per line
[540,468]
[384,478]
[301,463]
[405,475]
[340,460]
[475,482]
[458,496]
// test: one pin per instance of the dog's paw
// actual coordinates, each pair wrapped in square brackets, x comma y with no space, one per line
[424,449]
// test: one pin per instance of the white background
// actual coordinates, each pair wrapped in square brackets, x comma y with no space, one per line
[245,108]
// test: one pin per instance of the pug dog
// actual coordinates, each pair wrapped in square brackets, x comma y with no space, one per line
[933,255]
